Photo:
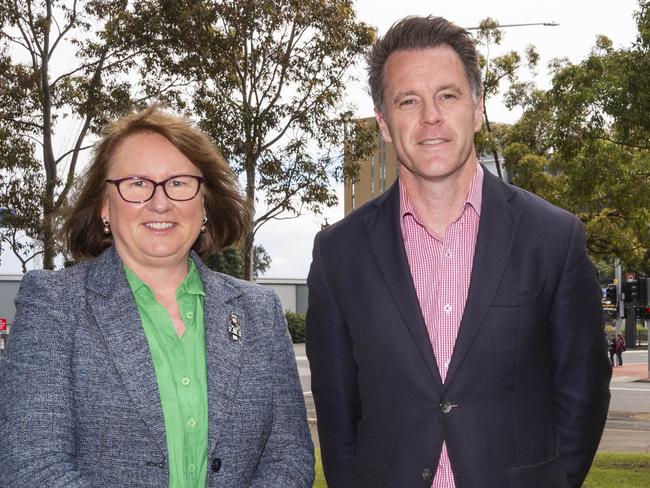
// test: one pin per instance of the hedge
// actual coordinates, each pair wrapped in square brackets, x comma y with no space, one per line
[296,324]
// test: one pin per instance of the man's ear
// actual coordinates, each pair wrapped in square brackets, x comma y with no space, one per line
[383,126]
[478,114]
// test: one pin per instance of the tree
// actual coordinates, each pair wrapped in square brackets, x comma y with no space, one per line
[269,77]
[585,145]
[496,70]
[230,262]
[64,70]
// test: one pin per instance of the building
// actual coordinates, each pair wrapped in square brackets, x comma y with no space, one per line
[292,292]
[9,284]
[381,169]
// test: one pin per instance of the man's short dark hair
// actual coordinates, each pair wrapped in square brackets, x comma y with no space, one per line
[413,33]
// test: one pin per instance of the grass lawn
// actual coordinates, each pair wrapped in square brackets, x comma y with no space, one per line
[618,470]
[610,470]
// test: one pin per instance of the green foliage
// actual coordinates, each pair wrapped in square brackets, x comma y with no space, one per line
[585,146]
[296,324]
[498,71]
[230,262]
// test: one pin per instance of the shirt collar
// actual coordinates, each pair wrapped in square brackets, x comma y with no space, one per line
[474,196]
[191,285]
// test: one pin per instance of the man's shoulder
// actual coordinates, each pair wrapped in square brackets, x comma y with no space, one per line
[354,222]
[534,207]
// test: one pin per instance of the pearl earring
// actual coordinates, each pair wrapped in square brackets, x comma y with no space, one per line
[107,226]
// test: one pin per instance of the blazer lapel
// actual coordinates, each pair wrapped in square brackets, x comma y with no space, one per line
[117,315]
[223,354]
[385,238]
[496,235]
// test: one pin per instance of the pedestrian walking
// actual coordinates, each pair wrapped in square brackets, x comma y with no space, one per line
[619,348]
[611,349]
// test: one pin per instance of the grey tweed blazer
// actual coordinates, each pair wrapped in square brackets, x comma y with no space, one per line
[79,403]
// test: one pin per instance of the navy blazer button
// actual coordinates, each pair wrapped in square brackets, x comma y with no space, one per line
[427,475]
[216,465]
[446,406]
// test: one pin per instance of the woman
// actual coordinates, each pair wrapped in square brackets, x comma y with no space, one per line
[140,366]
[619,348]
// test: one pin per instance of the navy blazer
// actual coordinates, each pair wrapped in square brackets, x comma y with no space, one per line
[527,391]
[79,402]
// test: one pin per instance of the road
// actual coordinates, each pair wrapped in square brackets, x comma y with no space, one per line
[628,423]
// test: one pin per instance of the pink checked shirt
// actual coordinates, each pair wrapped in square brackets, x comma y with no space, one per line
[441,266]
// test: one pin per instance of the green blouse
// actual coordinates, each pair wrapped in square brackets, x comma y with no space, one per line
[181,374]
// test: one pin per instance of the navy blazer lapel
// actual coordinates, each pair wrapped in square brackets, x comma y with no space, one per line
[496,235]
[385,238]
[118,319]
[223,354]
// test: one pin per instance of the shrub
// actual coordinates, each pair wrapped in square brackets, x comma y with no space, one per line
[296,324]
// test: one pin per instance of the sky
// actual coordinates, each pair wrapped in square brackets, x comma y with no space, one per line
[289,242]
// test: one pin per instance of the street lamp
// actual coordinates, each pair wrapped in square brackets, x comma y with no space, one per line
[546,24]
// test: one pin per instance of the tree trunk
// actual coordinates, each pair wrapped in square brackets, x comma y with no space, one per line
[47,230]
[249,239]
[495,152]
[247,255]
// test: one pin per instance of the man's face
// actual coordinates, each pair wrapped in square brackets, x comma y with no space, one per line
[429,114]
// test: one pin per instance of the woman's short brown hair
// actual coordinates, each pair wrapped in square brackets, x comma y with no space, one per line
[228,213]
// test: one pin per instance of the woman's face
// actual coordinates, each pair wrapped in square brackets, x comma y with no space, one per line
[159,232]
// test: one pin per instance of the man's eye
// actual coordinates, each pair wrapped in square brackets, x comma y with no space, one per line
[406,102]
[448,96]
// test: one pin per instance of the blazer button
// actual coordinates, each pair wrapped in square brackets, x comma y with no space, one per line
[446,406]
[427,475]
[216,465]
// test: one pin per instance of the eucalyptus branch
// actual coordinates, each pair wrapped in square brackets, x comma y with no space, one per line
[67,28]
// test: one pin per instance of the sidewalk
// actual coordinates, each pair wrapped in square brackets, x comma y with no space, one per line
[627,431]
[631,372]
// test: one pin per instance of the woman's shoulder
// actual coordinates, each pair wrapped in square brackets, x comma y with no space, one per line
[237,284]
[47,285]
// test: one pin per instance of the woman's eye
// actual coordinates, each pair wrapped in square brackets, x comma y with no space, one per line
[136,183]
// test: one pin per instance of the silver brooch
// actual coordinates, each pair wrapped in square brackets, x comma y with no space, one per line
[234,327]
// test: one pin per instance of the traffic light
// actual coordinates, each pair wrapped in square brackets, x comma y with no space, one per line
[644,313]
[631,291]
[610,294]
[642,290]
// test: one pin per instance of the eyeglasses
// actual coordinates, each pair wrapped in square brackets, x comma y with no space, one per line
[136,189]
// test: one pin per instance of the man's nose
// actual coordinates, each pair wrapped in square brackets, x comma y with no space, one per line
[431,113]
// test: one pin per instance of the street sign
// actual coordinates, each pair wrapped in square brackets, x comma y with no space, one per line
[3,325]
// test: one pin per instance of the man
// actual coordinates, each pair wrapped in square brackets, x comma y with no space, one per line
[454,331]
